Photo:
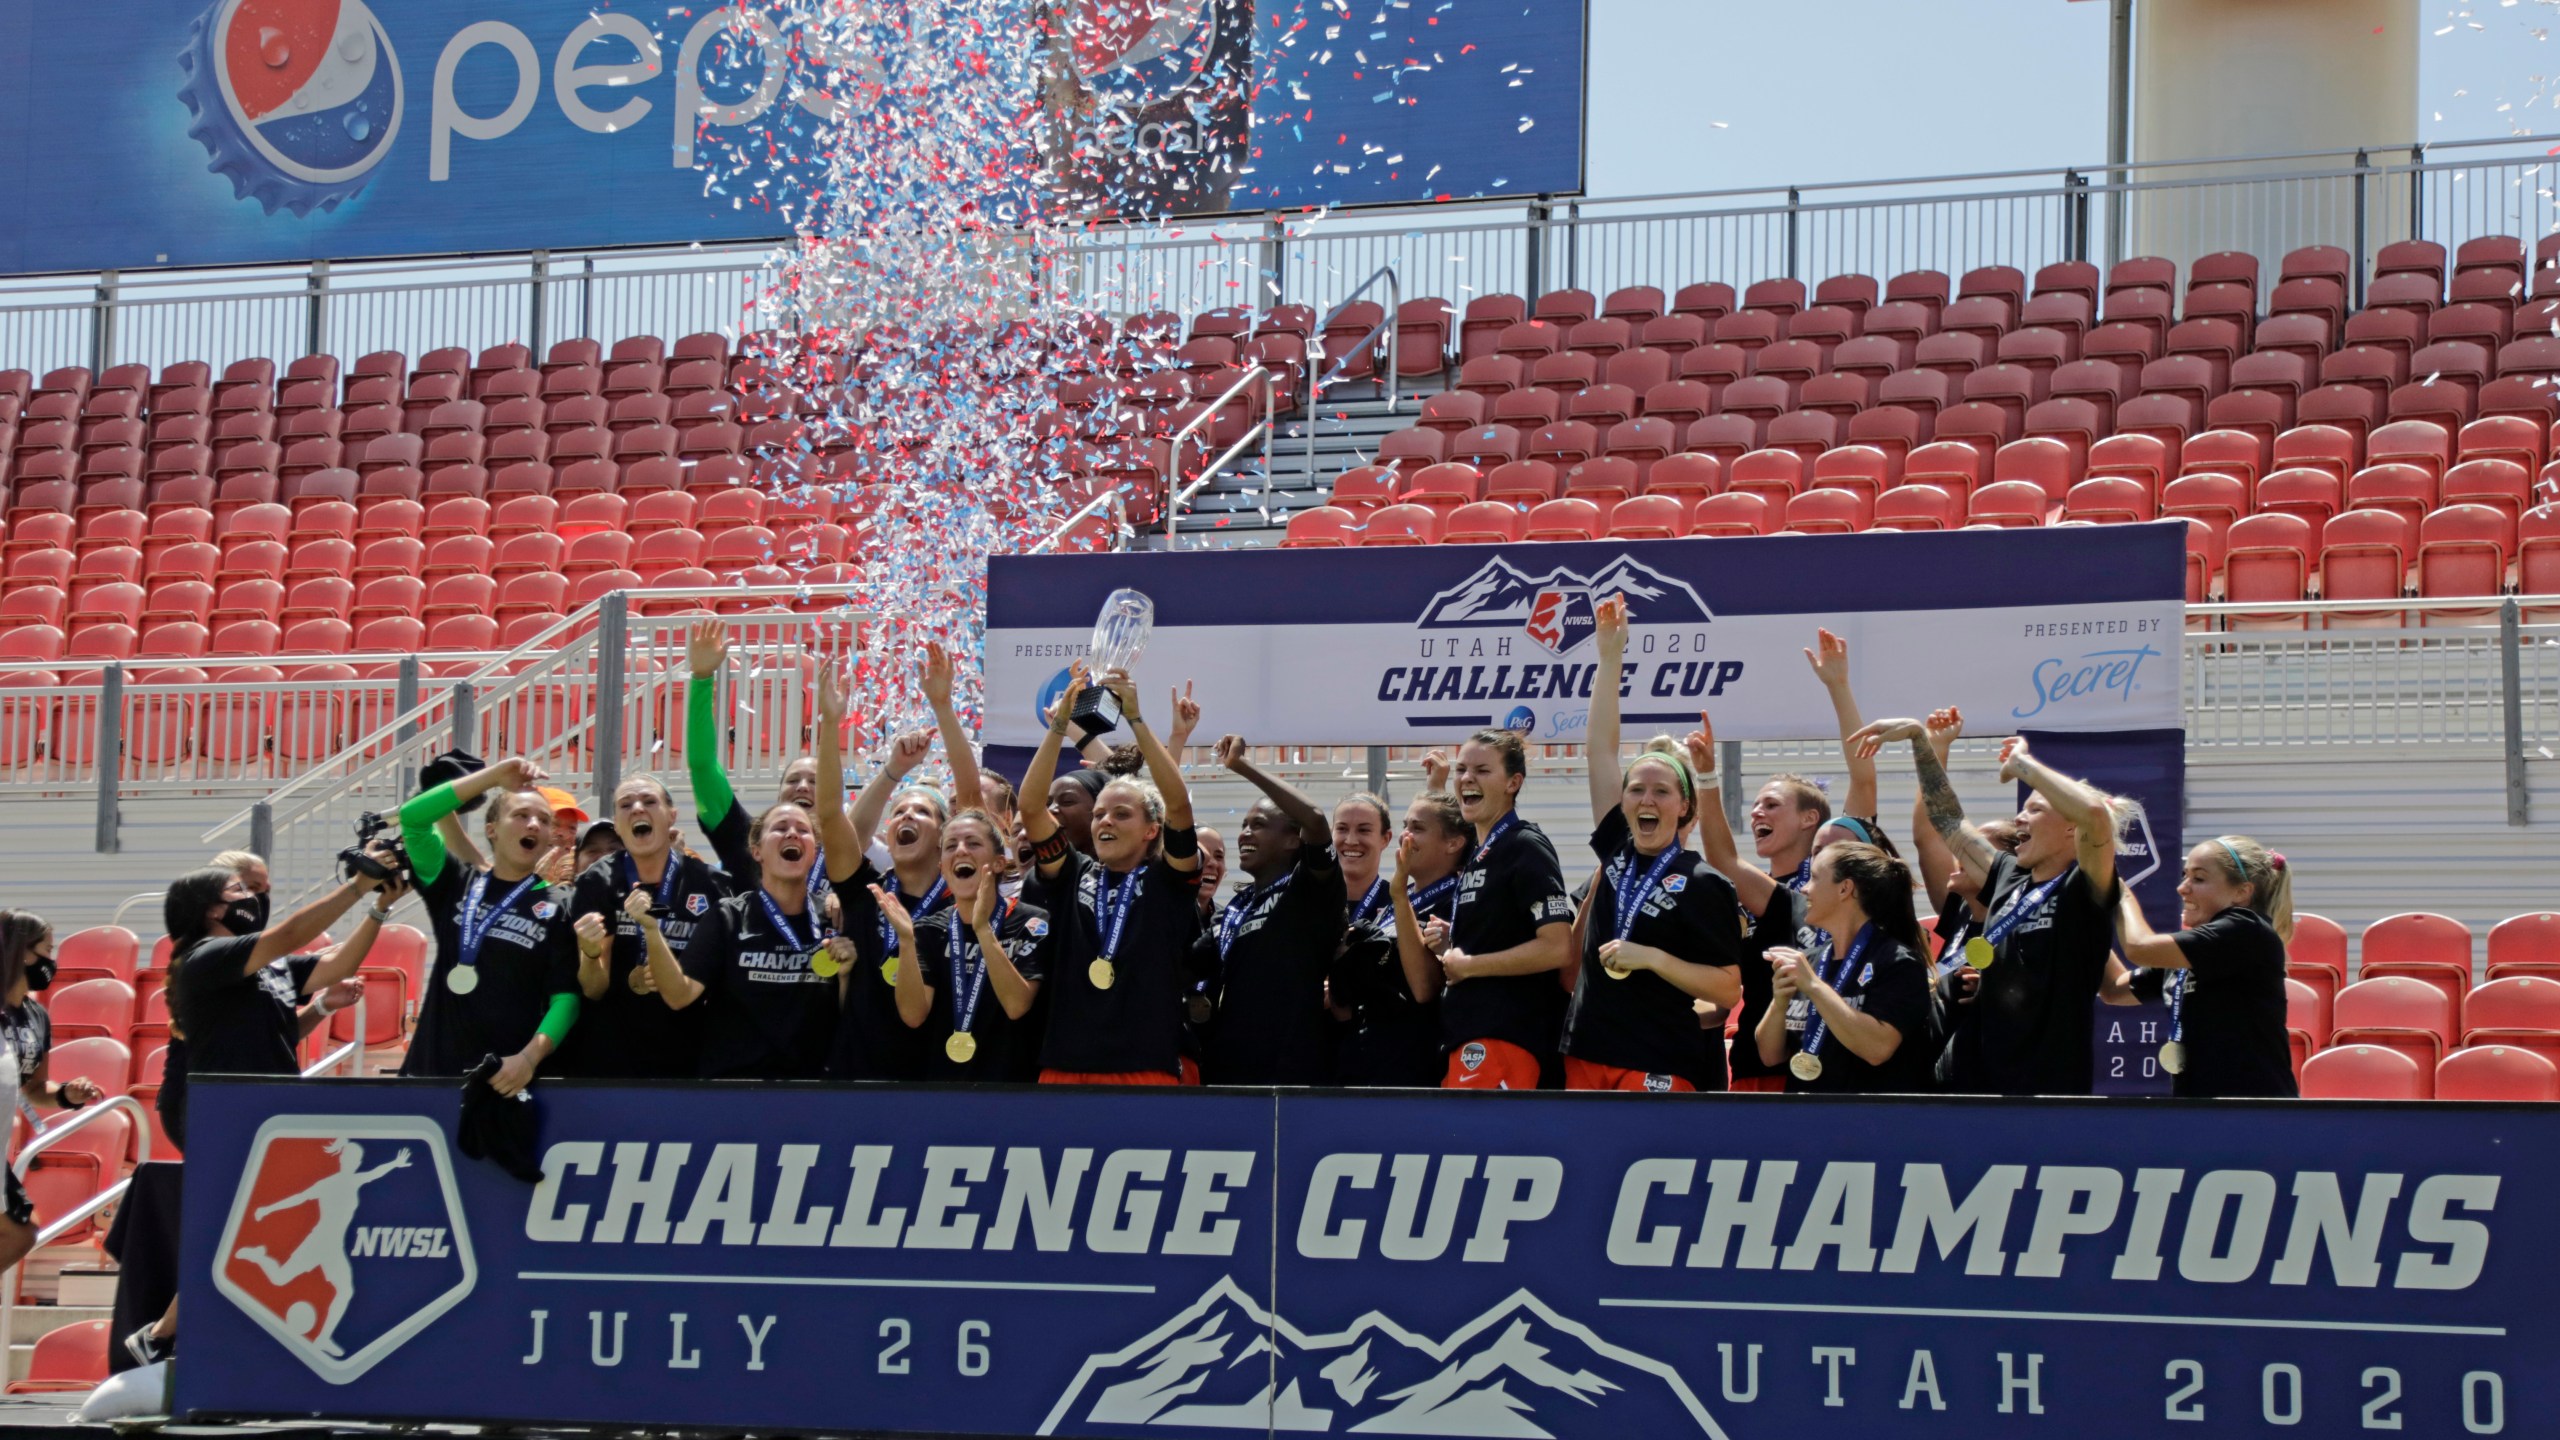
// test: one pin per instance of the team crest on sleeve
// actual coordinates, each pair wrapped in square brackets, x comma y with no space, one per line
[1674,884]
[545,909]
[1036,929]
[346,1238]
[696,903]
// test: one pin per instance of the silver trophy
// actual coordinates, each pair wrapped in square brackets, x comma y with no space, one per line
[1119,633]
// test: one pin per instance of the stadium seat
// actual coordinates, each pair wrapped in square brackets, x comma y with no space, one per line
[2366,1072]
[1564,519]
[1400,525]
[1733,514]
[2514,1002]
[67,1359]
[1485,522]
[2397,1011]
[2496,1072]
[2306,1008]
[2525,945]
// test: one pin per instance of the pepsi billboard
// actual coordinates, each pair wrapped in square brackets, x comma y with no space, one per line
[223,132]
[926,1261]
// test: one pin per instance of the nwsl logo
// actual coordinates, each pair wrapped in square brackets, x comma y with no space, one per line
[296,100]
[345,1238]
[1556,611]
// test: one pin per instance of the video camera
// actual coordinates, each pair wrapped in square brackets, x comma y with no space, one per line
[392,867]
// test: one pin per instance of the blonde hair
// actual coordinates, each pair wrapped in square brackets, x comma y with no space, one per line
[1807,794]
[2269,879]
[233,860]
[1663,750]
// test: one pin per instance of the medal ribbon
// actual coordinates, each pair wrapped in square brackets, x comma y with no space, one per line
[1816,1030]
[1370,902]
[1117,901]
[1231,919]
[2023,903]
[964,991]
[2178,1006]
[1432,894]
[782,924]
[1630,902]
[667,883]
[933,895]
[1501,828]
[1951,946]
[469,934]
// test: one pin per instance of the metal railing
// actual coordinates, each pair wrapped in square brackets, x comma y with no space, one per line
[138,1128]
[2357,199]
[1319,375]
[1112,500]
[1178,491]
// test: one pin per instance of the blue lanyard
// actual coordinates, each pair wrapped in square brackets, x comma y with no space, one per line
[1232,919]
[667,883]
[1501,828]
[1117,901]
[964,991]
[1431,895]
[1630,902]
[782,924]
[2178,1005]
[1370,902]
[933,896]
[2023,903]
[1816,1030]
[469,934]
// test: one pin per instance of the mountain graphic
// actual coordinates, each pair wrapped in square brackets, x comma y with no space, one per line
[1519,1371]
[1501,594]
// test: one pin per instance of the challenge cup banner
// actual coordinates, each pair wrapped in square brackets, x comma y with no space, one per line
[1126,1264]
[2069,629]
[222,132]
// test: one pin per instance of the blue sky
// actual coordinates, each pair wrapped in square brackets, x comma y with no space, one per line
[1821,90]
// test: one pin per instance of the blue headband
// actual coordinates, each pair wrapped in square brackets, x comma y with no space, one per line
[2236,867]
[1856,827]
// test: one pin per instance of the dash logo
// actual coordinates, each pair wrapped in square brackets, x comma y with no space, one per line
[345,1238]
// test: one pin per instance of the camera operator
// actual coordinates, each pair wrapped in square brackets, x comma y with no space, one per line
[505,977]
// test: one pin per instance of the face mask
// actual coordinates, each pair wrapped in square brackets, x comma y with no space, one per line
[39,972]
[246,917]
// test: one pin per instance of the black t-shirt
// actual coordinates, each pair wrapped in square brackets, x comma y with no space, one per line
[1026,933]
[2030,1032]
[527,956]
[1136,1023]
[1393,1039]
[2233,1017]
[1644,1022]
[1778,926]
[30,1033]
[871,1042]
[1506,891]
[769,1015]
[1890,984]
[1956,924]
[627,1036]
[1271,1022]
[238,1023]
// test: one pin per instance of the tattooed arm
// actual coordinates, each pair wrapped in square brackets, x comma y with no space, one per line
[1938,800]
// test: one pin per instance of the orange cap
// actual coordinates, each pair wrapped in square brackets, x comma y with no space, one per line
[563,805]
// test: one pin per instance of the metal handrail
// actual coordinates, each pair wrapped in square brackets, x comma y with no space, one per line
[1111,498]
[1176,493]
[65,1223]
[52,1135]
[1317,379]
[350,1054]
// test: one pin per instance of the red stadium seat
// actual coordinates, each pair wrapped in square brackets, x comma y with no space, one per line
[2525,944]
[1485,522]
[68,1358]
[1324,527]
[1401,525]
[1565,519]
[2379,1010]
[2497,1072]
[2366,1072]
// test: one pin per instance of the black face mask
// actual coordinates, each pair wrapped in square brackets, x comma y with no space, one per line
[39,972]
[246,917]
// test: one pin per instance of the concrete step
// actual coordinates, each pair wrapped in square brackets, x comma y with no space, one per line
[28,1322]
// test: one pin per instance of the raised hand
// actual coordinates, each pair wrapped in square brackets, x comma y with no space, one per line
[1944,727]
[897,915]
[1876,735]
[906,752]
[937,675]
[1231,752]
[517,773]
[982,906]
[1186,717]
[1124,690]
[1701,745]
[706,646]
[1610,618]
[1406,845]
[1435,770]
[833,685]
[1057,715]
[2014,758]
[1829,659]
[639,905]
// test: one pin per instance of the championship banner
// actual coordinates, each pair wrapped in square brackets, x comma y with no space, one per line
[1115,1263]
[231,132]
[2067,629]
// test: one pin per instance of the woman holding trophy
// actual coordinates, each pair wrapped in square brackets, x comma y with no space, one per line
[1126,915]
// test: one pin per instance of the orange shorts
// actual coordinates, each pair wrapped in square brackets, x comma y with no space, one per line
[1758,1084]
[1490,1065]
[1107,1077]
[1584,1075]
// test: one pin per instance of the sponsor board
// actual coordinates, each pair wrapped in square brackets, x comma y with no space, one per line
[1119,1263]
[2061,630]
[249,131]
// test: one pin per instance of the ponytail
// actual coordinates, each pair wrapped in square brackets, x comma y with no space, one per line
[2269,879]
[1883,884]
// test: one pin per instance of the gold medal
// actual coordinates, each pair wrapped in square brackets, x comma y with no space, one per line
[462,979]
[962,1047]
[1807,1068]
[1614,973]
[1101,974]
[889,972]
[2173,1057]
[823,962]
[1978,953]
